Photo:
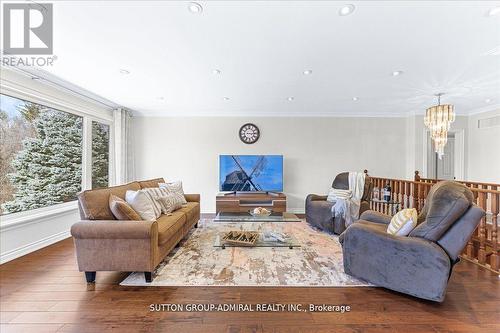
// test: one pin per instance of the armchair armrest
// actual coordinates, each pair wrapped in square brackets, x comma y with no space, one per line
[192,197]
[316,197]
[375,217]
[113,229]
[410,265]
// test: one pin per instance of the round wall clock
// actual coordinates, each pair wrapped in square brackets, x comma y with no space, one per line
[249,133]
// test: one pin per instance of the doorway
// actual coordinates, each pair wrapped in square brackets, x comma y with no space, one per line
[444,167]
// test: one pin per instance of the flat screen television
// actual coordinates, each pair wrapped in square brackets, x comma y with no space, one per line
[251,173]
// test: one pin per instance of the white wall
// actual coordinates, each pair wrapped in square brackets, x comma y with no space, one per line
[314,149]
[484,149]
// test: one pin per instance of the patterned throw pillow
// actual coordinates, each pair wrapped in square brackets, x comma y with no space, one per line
[154,193]
[122,210]
[174,187]
[403,222]
[171,202]
[142,203]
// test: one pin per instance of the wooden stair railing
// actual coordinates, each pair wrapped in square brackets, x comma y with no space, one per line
[483,247]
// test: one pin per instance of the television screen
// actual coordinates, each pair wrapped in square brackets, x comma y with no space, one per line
[243,173]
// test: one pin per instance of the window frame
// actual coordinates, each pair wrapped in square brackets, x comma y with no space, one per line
[88,115]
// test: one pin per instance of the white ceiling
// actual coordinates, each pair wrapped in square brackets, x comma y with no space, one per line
[262,49]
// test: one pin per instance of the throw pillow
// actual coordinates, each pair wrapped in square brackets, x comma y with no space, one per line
[121,209]
[403,222]
[153,194]
[156,194]
[174,187]
[171,202]
[142,204]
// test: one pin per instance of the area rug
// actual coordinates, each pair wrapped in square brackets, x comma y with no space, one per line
[196,262]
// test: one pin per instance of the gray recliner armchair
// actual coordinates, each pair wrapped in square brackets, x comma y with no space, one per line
[319,211]
[421,263]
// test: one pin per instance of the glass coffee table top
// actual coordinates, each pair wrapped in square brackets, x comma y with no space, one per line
[247,217]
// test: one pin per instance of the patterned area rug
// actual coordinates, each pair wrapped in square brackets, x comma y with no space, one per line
[196,262]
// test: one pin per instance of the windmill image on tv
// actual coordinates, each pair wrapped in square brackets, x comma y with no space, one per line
[241,180]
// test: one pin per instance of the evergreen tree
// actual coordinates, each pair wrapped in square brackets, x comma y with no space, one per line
[30,111]
[100,155]
[47,170]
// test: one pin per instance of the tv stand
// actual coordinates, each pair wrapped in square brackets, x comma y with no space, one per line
[245,201]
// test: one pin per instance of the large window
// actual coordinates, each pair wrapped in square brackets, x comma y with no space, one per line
[41,155]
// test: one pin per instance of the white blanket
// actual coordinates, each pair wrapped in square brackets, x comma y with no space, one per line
[347,204]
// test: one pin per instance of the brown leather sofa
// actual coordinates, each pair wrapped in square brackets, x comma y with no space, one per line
[106,244]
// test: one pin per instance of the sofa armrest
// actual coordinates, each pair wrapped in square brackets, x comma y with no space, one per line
[375,217]
[114,229]
[192,197]
[410,265]
[316,197]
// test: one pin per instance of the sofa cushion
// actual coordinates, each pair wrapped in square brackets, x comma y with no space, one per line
[191,209]
[122,210]
[95,203]
[151,182]
[448,202]
[169,225]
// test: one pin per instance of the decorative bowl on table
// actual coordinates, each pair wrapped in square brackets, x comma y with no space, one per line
[260,212]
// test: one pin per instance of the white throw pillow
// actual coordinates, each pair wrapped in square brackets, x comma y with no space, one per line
[403,222]
[142,204]
[174,187]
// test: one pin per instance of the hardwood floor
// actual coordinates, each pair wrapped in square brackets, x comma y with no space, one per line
[44,292]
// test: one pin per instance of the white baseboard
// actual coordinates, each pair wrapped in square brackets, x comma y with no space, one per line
[28,248]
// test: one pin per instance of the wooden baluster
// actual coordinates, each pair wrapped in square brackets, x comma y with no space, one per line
[481,255]
[494,259]
[421,196]
[415,196]
[407,194]
[379,207]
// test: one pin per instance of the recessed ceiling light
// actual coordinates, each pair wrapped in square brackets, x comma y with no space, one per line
[226,98]
[488,100]
[124,71]
[397,73]
[195,8]
[217,71]
[307,72]
[346,10]
[355,99]
[494,11]
[161,98]
[290,98]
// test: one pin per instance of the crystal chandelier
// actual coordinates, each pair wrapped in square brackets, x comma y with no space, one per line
[438,119]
